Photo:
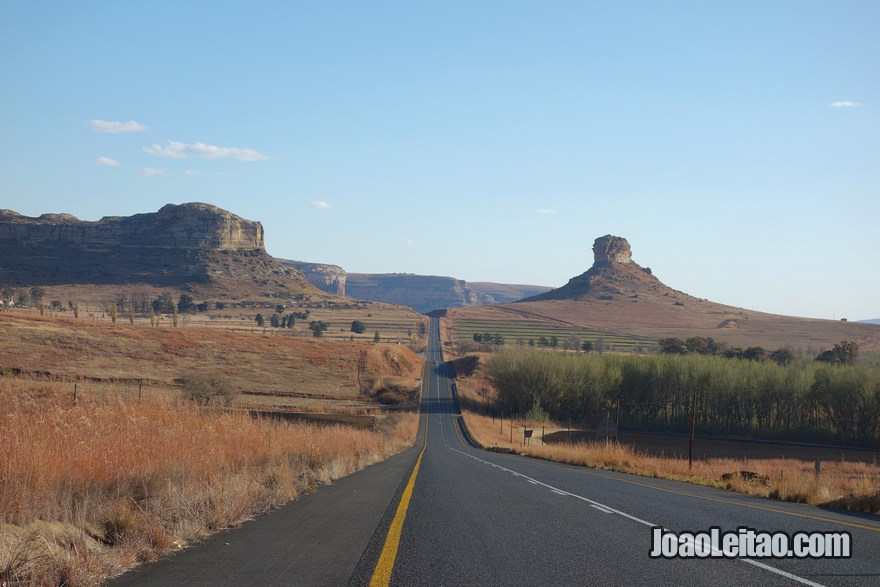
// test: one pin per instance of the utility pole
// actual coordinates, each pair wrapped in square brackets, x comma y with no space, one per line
[693,427]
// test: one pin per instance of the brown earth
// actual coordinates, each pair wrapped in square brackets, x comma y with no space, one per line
[618,296]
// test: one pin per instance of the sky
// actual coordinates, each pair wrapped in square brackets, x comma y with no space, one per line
[735,145]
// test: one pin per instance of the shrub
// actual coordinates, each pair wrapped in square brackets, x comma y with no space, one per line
[207,388]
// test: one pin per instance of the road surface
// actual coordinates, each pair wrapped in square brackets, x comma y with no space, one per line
[446,513]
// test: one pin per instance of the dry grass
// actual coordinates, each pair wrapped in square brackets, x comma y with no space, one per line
[93,487]
[843,484]
[309,373]
[849,485]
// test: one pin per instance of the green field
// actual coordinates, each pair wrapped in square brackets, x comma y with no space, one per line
[520,332]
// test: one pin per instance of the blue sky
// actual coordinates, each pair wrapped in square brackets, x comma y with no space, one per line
[735,145]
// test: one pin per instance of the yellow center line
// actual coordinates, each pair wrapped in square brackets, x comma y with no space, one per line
[382,574]
[728,501]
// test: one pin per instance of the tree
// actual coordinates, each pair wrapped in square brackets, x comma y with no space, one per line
[186,304]
[261,322]
[543,342]
[291,321]
[700,345]
[498,339]
[376,337]
[37,294]
[554,341]
[672,346]
[279,308]
[163,304]
[275,321]
[318,327]
[207,388]
[478,337]
[358,327]
[587,347]
[114,312]
[755,353]
[843,353]
[782,357]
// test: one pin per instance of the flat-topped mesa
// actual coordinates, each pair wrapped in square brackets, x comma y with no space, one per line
[193,226]
[174,246]
[611,249]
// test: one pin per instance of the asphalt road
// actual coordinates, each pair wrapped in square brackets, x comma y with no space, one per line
[482,518]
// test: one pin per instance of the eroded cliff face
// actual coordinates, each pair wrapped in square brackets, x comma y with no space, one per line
[179,244]
[329,278]
[193,226]
[420,292]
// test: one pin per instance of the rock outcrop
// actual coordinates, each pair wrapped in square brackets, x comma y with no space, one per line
[179,246]
[193,226]
[613,274]
[420,292]
[329,278]
[611,249]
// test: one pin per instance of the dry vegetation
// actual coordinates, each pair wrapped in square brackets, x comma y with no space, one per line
[104,464]
[93,487]
[273,368]
[843,484]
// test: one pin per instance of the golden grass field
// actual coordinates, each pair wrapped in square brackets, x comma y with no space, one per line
[849,484]
[106,465]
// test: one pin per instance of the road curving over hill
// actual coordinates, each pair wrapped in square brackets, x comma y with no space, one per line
[447,513]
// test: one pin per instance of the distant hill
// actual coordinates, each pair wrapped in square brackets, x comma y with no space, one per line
[618,296]
[420,292]
[195,247]
[871,321]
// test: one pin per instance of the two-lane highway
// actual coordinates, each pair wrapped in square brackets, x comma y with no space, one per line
[447,513]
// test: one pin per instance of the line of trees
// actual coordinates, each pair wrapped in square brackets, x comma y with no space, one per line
[811,401]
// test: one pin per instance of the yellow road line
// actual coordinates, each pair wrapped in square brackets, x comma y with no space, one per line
[729,501]
[382,574]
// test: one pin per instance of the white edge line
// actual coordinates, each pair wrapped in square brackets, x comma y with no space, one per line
[601,506]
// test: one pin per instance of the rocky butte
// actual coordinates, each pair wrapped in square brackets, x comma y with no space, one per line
[178,245]
[613,274]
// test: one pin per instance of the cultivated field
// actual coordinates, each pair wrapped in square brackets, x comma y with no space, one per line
[529,332]
[653,318]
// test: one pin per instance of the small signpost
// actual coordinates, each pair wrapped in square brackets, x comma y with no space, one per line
[527,435]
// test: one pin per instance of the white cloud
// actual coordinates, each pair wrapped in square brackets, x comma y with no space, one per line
[107,162]
[845,104]
[319,204]
[545,211]
[153,171]
[178,150]
[114,126]
[191,172]
[408,242]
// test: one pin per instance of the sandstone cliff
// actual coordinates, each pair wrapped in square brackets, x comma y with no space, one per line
[613,275]
[421,292]
[183,245]
[329,278]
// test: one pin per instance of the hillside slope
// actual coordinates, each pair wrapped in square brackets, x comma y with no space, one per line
[616,295]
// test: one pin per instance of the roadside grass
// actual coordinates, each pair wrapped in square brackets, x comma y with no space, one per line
[847,485]
[93,487]
[842,484]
